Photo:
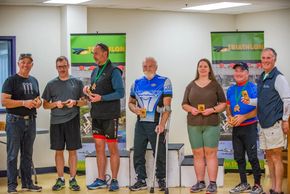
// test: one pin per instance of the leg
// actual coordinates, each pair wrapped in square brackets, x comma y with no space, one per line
[59,162]
[114,159]
[140,144]
[73,142]
[13,131]
[239,152]
[27,150]
[211,163]
[271,168]
[276,155]
[211,138]
[199,163]
[72,159]
[101,158]
[250,142]
[196,139]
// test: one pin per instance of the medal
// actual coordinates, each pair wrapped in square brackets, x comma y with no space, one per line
[237,108]
[94,86]
[200,107]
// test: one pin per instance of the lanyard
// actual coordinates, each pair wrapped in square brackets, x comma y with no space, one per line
[101,71]
[238,96]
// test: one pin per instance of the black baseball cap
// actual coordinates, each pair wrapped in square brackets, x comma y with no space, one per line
[243,65]
[25,55]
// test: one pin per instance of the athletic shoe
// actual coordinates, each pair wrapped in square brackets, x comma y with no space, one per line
[197,187]
[162,184]
[34,188]
[211,188]
[114,186]
[139,185]
[73,185]
[59,185]
[256,189]
[12,191]
[242,187]
[98,184]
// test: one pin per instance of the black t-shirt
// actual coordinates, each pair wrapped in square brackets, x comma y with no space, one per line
[21,88]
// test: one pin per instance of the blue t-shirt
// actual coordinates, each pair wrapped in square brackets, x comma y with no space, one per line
[150,93]
[234,90]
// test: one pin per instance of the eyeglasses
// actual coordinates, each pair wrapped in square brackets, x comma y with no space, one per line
[62,67]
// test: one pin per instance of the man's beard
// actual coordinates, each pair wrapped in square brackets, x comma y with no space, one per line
[149,75]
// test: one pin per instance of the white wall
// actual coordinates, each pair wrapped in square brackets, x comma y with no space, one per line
[37,31]
[176,40]
[276,25]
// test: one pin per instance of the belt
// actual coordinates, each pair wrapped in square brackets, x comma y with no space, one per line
[26,117]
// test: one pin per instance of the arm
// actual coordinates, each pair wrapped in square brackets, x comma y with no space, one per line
[241,118]
[118,87]
[132,104]
[282,87]
[10,103]
[165,115]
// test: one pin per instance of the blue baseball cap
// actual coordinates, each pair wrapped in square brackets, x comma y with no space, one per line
[243,65]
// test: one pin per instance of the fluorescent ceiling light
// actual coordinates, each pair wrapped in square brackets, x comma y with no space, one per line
[215,6]
[66,1]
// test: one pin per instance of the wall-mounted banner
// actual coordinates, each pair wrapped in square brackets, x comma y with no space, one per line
[82,65]
[229,48]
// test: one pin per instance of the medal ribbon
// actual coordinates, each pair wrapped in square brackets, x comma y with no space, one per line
[101,71]
[238,96]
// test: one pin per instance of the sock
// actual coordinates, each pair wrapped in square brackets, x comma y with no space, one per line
[213,182]
[62,178]
[71,178]
[202,182]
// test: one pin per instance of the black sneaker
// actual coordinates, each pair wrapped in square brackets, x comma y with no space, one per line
[73,185]
[162,184]
[139,185]
[60,184]
[34,188]
[12,190]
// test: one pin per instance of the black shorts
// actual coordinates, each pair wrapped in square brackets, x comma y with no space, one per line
[66,135]
[105,129]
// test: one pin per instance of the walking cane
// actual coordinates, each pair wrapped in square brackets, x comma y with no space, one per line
[166,149]
[160,110]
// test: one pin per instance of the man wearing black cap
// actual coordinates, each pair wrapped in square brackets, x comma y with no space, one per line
[20,96]
[242,117]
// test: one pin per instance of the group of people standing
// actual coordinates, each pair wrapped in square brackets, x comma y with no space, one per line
[150,99]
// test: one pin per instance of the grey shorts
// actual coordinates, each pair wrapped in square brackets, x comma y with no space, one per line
[272,137]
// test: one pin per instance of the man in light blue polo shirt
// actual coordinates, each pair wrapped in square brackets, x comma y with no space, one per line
[273,114]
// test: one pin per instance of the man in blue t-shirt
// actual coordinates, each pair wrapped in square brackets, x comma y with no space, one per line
[242,117]
[147,95]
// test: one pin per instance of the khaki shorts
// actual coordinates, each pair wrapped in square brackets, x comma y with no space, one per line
[272,137]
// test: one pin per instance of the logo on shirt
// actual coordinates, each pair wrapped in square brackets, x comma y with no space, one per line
[27,87]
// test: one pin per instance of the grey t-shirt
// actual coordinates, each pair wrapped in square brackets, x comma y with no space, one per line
[56,90]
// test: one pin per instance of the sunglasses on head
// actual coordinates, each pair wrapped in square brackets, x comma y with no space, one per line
[25,55]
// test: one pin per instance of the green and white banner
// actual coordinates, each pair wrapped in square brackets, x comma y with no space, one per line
[82,65]
[229,48]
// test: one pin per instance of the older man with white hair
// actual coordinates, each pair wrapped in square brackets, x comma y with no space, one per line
[147,94]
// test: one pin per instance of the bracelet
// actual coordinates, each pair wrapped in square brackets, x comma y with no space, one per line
[214,110]
[76,103]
